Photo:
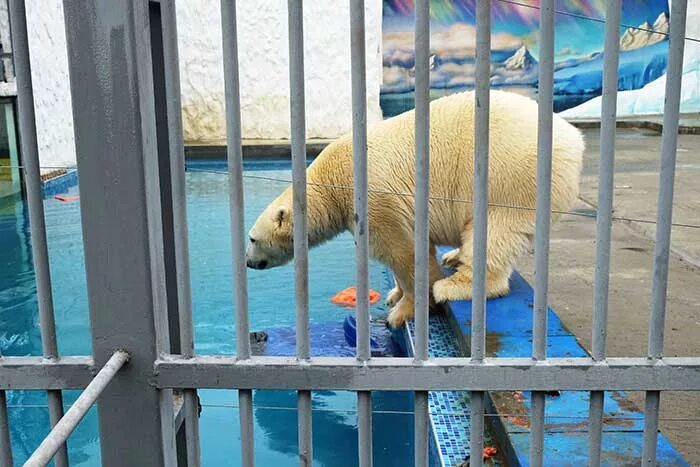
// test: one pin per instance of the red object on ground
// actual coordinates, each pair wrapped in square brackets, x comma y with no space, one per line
[66,198]
[348,297]
[489,452]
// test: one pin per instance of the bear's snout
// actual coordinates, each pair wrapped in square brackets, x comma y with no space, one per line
[256,264]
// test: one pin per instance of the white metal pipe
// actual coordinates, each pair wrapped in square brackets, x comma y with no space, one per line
[63,429]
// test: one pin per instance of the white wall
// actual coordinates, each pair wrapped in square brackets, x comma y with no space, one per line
[263,51]
[52,101]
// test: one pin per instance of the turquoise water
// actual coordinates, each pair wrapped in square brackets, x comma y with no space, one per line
[271,293]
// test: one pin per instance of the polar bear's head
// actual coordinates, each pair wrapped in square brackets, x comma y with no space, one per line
[270,241]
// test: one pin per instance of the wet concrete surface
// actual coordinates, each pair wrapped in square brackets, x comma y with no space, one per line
[572,267]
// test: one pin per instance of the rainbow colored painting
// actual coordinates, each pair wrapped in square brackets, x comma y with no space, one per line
[579,33]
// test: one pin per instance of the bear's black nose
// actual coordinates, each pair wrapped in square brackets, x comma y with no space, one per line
[256,265]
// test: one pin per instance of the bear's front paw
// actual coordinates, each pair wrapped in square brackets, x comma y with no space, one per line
[394,296]
[452,288]
[402,312]
[451,259]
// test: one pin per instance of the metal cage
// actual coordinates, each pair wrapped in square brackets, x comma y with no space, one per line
[126,106]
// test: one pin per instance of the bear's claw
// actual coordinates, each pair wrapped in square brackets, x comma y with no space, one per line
[393,297]
[451,259]
[400,313]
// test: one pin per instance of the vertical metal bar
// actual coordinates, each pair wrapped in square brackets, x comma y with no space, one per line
[606,170]
[422,423]
[179,212]
[481,171]
[245,413]
[177,173]
[422,112]
[651,427]
[160,96]
[595,427]
[298,118]
[359,158]
[5,443]
[543,216]
[476,433]
[537,429]
[421,294]
[235,172]
[114,121]
[306,454]
[12,147]
[301,240]
[361,230]
[669,141]
[364,428]
[544,178]
[29,151]
[480,215]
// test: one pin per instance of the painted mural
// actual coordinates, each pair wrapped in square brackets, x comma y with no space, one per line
[579,35]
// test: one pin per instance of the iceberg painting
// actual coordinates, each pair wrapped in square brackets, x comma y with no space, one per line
[579,34]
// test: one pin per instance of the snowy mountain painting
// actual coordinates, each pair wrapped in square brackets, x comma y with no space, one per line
[578,48]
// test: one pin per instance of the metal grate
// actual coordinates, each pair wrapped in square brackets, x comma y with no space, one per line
[125,89]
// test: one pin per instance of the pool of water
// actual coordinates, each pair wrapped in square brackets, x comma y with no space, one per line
[271,294]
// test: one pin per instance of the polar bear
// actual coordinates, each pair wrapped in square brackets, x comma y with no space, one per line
[391,179]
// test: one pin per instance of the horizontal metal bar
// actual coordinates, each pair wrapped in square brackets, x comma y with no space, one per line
[42,373]
[63,429]
[403,374]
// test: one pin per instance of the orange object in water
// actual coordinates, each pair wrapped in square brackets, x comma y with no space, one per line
[489,452]
[66,198]
[348,297]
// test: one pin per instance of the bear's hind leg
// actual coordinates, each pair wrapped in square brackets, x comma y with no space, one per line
[459,285]
[506,240]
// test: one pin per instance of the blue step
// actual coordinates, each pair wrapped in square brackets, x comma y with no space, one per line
[509,334]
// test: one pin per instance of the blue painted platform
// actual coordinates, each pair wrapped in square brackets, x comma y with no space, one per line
[509,322]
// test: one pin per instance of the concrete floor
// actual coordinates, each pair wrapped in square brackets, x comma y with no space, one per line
[573,264]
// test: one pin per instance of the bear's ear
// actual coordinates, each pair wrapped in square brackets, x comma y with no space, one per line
[281,215]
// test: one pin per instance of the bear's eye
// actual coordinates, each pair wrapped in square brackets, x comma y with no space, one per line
[252,240]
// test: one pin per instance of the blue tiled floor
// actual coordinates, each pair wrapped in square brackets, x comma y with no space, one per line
[449,410]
